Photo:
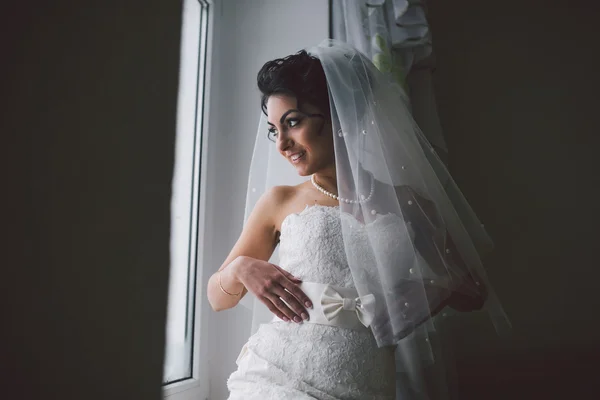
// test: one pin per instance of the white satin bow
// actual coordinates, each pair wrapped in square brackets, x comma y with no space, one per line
[333,303]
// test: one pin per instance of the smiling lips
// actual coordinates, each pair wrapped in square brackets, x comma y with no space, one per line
[297,156]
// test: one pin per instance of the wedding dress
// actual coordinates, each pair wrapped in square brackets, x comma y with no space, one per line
[405,236]
[287,360]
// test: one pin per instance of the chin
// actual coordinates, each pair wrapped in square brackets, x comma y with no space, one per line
[303,169]
[303,172]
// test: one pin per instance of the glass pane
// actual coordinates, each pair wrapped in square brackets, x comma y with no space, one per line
[184,202]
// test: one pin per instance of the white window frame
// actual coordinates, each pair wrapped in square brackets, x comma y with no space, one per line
[197,387]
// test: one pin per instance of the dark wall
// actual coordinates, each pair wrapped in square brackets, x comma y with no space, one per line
[89,95]
[516,85]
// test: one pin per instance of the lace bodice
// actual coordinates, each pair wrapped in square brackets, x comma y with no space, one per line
[286,360]
[311,246]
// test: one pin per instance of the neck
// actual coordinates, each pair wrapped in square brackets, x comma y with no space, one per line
[327,183]
[327,180]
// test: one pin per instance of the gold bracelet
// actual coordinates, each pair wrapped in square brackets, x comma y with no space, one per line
[225,291]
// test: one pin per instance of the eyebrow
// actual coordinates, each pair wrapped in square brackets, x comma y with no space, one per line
[285,114]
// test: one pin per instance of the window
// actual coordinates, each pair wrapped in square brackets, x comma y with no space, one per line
[181,355]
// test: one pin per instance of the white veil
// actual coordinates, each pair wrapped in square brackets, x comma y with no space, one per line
[440,241]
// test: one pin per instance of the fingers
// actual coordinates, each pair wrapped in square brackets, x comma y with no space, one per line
[287,274]
[282,290]
[279,308]
[275,311]
[292,303]
[295,290]
[298,294]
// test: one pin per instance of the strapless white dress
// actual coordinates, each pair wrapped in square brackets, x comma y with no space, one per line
[286,360]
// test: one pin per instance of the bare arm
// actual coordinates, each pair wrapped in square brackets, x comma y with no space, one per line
[247,267]
[257,241]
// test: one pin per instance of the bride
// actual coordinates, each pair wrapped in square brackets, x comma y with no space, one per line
[357,238]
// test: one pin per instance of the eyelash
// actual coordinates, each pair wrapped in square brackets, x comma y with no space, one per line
[273,131]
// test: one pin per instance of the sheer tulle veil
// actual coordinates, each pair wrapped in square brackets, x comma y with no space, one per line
[440,240]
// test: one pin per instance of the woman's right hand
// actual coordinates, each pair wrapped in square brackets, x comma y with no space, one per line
[271,284]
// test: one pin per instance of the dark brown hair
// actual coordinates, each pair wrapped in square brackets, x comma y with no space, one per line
[299,75]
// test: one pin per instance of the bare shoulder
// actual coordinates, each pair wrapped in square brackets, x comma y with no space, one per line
[259,235]
[416,205]
[285,200]
[278,195]
[275,199]
[272,202]
[405,192]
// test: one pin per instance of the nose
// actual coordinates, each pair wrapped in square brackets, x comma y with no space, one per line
[284,142]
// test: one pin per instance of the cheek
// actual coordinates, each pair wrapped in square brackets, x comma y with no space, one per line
[315,141]
[309,139]
[327,141]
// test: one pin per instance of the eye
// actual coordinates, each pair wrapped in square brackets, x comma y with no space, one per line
[292,122]
[272,134]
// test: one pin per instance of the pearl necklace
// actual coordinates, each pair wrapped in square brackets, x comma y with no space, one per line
[340,199]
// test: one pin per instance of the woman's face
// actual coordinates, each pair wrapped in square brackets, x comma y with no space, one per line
[303,137]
